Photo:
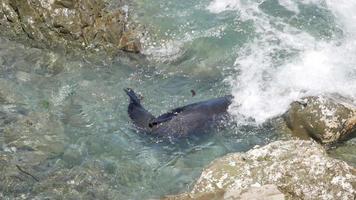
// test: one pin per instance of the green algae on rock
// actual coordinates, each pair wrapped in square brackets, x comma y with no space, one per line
[300,169]
[327,119]
[68,24]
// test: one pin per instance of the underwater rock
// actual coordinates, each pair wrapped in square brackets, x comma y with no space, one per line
[34,138]
[300,170]
[8,94]
[345,152]
[73,155]
[89,181]
[67,24]
[327,119]
[13,181]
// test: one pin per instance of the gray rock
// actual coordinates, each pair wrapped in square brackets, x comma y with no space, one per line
[78,24]
[264,192]
[300,170]
[326,119]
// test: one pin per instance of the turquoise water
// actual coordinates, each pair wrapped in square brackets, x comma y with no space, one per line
[247,48]
[89,100]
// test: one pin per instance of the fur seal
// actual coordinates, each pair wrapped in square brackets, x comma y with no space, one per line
[182,121]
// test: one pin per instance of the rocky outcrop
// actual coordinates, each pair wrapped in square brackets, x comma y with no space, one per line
[327,119]
[299,169]
[68,24]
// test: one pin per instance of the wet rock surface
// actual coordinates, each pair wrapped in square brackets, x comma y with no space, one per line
[327,119]
[66,24]
[300,170]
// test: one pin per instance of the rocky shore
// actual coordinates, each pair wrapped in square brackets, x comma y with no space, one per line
[293,169]
[92,25]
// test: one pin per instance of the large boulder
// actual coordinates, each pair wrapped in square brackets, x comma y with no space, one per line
[327,119]
[78,24]
[299,169]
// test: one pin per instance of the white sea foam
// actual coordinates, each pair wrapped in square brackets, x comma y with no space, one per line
[265,87]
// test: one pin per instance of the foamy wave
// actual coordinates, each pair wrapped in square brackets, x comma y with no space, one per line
[266,85]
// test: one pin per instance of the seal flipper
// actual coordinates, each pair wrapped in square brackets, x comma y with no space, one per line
[139,115]
[166,117]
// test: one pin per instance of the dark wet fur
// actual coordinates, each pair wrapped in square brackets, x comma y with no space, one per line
[182,121]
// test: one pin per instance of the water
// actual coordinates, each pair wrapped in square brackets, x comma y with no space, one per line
[266,53]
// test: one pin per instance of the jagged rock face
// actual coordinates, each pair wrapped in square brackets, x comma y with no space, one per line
[300,169]
[78,24]
[326,119]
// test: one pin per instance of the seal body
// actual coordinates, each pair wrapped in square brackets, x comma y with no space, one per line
[182,121]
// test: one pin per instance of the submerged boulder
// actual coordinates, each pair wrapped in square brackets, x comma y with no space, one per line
[27,143]
[89,181]
[345,152]
[79,24]
[34,138]
[299,169]
[327,119]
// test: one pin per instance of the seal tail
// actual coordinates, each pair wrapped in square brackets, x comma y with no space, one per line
[133,97]
[138,114]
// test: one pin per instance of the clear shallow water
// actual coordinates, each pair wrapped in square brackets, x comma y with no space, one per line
[89,100]
[267,53]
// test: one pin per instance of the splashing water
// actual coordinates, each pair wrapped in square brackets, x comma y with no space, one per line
[286,60]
